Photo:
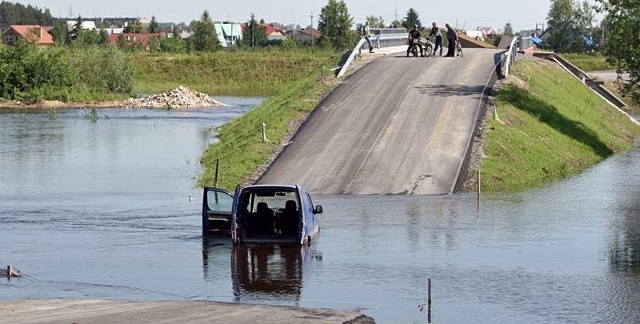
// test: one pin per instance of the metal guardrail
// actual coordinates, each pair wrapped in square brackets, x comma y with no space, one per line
[511,56]
[379,41]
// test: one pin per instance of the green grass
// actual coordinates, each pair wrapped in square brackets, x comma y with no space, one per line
[553,127]
[240,149]
[588,62]
[257,73]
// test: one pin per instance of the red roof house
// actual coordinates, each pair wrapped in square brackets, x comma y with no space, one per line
[34,34]
[273,32]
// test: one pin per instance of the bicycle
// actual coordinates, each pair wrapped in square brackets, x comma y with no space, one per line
[459,51]
[428,47]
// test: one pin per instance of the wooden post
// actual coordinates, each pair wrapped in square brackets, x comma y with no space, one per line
[429,300]
[479,179]
[215,179]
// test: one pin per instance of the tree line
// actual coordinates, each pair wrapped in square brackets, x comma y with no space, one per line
[571,24]
[572,29]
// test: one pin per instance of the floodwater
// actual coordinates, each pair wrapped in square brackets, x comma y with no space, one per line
[100,209]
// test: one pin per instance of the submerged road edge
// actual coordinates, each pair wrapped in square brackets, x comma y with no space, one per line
[117,311]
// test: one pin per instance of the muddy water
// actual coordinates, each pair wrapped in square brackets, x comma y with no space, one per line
[100,209]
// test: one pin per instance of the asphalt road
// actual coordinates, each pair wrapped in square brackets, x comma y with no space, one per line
[397,126]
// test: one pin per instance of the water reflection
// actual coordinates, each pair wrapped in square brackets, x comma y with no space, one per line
[108,199]
[260,273]
[625,240]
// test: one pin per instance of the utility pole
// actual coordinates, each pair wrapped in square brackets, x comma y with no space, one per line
[311,27]
[396,18]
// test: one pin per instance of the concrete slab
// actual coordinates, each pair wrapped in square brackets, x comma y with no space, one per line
[109,311]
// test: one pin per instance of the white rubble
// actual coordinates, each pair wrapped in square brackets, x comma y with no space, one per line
[180,97]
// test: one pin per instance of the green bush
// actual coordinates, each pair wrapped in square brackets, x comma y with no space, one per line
[105,70]
[29,73]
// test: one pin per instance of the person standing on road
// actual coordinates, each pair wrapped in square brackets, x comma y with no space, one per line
[366,33]
[435,31]
[414,34]
[452,37]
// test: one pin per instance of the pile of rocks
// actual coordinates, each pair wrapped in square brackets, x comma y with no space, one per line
[180,97]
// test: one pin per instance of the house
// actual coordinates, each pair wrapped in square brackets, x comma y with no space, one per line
[273,32]
[228,33]
[134,39]
[86,24]
[306,36]
[489,33]
[475,34]
[34,34]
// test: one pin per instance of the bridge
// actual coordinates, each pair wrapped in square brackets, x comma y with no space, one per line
[398,125]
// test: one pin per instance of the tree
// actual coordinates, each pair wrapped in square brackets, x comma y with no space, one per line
[508,29]
[204,36]
[154,26]
[75,30]
[86,38]
[375,22]
[560,19]
[335,25]
[60,33]
[621,47]
[134,28]
[570,25]
[254,34]
[412,19]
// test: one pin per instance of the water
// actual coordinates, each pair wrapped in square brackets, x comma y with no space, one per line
[101,210]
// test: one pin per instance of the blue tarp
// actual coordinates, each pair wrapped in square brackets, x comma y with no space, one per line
[537,40]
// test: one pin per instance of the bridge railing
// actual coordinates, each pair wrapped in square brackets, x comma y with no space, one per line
[378,41]
[511,56]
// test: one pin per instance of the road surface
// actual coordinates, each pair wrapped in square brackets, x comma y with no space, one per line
[397,126]
[107,312]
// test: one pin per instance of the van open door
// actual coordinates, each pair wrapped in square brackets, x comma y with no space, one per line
[236,231]
[217,209]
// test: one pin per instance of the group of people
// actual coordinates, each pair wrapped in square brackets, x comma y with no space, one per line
[452,37]
[414,34]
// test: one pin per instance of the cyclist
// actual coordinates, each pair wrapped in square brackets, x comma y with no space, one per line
[414,35]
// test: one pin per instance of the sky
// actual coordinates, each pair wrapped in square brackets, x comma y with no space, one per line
[465,14]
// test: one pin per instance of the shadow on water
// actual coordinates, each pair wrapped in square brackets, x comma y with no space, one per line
[549,115]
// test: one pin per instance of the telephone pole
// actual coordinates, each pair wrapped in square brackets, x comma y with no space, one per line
[311,27]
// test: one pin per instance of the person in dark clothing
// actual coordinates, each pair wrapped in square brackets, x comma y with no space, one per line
[435,31]
[452,37]
[414,34]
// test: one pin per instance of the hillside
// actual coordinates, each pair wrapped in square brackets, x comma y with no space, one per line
[548,127]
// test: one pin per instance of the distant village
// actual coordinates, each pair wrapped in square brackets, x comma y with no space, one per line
[228,33]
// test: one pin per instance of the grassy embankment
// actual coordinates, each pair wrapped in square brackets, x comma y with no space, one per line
[553,127]
[240,149]
[246,73]
[590,63]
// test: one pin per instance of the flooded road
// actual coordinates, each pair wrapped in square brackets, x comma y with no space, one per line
[99,208]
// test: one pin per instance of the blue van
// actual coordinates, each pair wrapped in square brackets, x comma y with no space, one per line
[261,214]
